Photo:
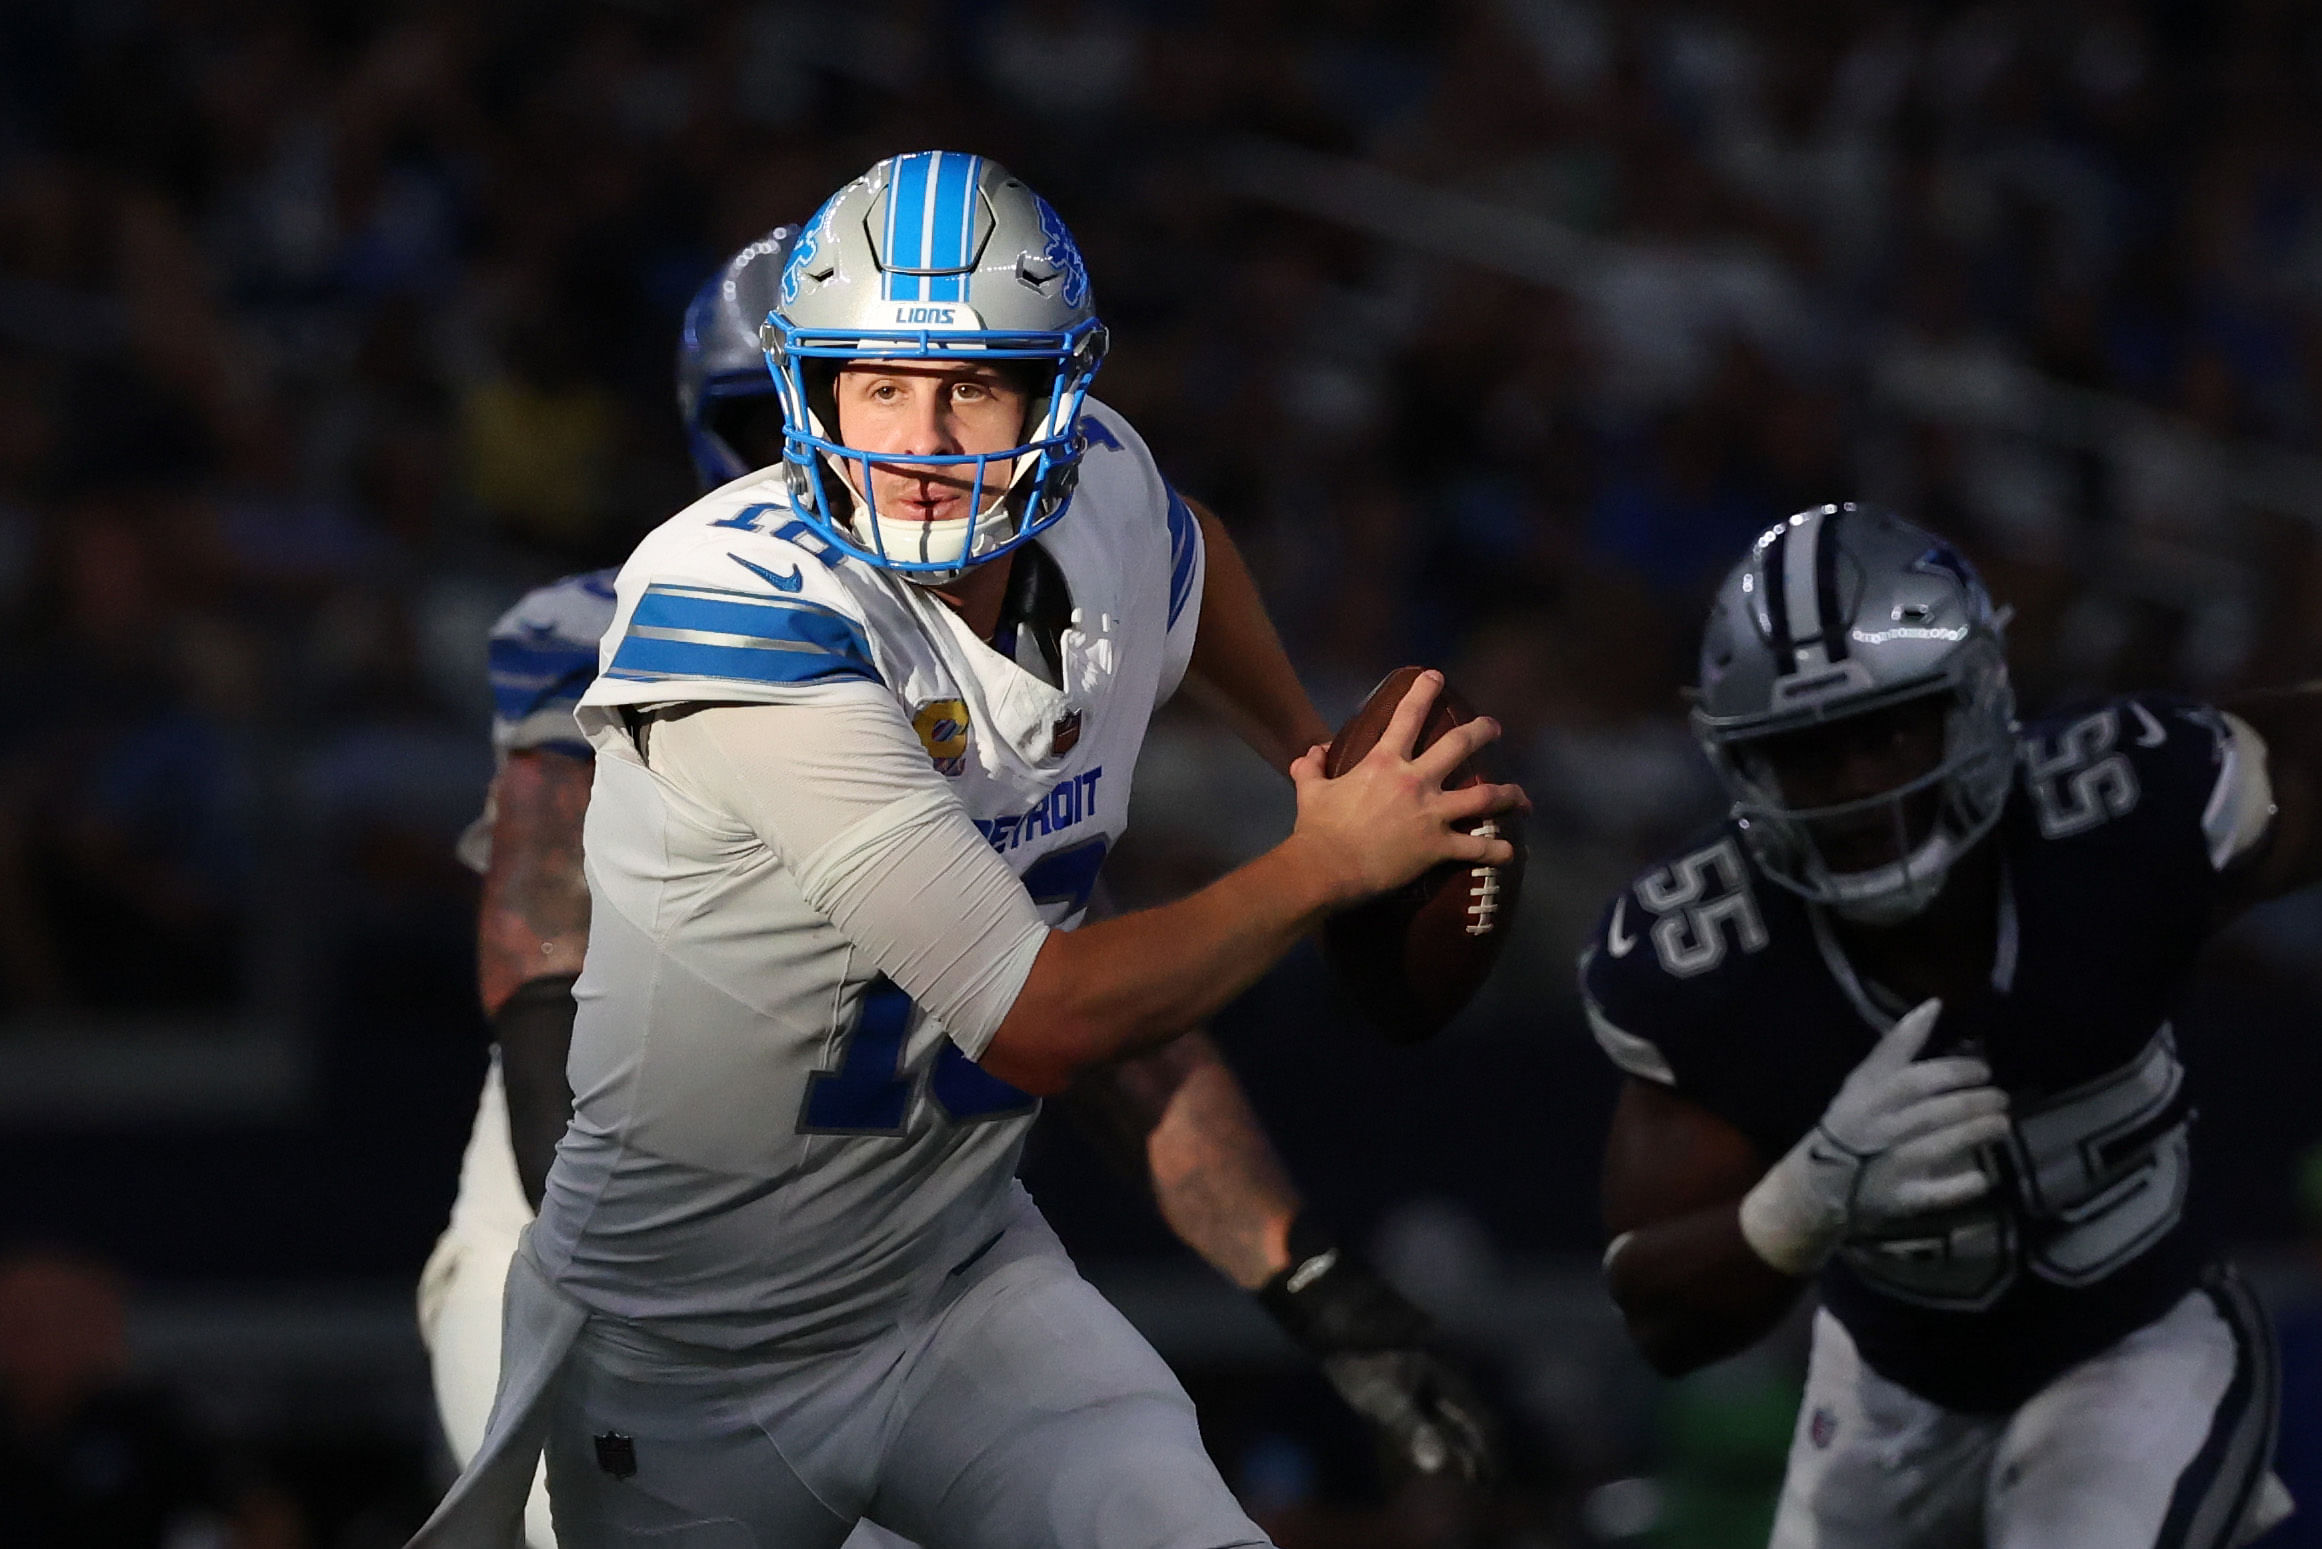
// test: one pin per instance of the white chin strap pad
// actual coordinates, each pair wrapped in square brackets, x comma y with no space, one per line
[1886,895]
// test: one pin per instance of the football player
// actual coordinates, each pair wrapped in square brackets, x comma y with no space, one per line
[807,1202]
[1900,1028]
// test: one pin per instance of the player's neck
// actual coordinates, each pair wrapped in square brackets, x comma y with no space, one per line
[1946,949]
[978,595]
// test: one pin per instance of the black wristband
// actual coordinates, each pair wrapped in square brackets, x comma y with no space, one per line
[1329,1300]
[533,1028]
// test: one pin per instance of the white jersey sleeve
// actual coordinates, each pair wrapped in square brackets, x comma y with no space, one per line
[727,610]
[842,793]
[1188,569]
[542,656]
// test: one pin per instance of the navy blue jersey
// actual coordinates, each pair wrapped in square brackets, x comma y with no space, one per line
[1705,977]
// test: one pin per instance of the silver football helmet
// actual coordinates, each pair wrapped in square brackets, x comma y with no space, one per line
[720,363]
[1835,612]
[934,255]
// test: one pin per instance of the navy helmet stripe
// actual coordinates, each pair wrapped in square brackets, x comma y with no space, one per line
[1831,624]
[1773,581]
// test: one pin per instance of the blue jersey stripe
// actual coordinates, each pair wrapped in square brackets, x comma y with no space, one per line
[526,678]
[804,622]
[734,635]
[907,227]
[1183,545]
[641,658]
[514,703]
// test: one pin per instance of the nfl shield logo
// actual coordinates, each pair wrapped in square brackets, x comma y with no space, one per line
[1821,1426]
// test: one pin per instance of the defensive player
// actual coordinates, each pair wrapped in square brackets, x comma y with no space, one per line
[830,745]
[1900,1027]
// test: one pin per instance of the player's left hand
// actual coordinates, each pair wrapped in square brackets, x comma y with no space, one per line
[1373,1345]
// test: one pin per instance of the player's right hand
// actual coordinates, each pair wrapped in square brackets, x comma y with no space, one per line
[1388,819]
[1904,1137]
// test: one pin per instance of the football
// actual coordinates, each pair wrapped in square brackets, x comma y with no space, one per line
[1413,957]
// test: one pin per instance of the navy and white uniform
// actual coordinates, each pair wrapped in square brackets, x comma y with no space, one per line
[784,1279]
[2063,1362]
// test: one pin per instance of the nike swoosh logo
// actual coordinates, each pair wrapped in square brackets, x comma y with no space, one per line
[2154,733]
[781,583]
[1616,940]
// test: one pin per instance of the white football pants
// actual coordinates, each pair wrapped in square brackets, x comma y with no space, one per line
[459,1319]
[1019,1411]
[2163,1441]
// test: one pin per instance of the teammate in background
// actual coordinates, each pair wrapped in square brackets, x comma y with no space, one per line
[1176,1109]
[1900,1026]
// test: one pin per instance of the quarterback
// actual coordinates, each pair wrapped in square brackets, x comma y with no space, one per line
[1901,1027]
[863,734]
[1177,1114]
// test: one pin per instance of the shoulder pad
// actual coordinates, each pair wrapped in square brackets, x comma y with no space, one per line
[542,653]
[1670,948]
[734,592]
[2147,766]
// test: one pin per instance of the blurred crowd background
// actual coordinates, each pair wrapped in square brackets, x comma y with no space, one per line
[1494,329]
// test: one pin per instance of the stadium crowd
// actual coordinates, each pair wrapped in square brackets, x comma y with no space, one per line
[327,329]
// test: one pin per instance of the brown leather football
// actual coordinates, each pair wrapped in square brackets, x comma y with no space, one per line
[1413,957]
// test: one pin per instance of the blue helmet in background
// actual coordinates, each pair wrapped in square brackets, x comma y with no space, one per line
[721,366]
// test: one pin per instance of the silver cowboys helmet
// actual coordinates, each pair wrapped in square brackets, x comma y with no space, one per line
[720,363]
[935,255]
[1835,612]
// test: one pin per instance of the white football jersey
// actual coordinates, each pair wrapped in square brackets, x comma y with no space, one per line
[770,1140]
[543,654]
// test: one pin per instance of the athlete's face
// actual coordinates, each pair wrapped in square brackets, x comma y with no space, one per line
[1860,757]
[923,408]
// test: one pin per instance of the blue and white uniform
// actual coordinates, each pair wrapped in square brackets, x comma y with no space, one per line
[783,1258]
[2064,1362]
[543,656]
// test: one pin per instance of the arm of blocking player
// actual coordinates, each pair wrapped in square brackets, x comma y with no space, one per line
[1131,983]
[1239,670]
[1711,1247]
[532,929]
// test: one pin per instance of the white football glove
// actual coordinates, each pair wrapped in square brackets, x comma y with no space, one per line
[1899,1140]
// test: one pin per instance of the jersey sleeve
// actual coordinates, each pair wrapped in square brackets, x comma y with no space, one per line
[841,792]
[1188,568]
[1675,982]
[542,656]
[713,609]
[2183,787]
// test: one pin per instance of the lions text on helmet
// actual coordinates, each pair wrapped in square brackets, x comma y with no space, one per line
[934,340]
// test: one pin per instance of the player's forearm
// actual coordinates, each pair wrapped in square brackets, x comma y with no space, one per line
[534,1031]
[1239,670]
[1122,986]
[1693,1291]
[533,922]
[1178,1117]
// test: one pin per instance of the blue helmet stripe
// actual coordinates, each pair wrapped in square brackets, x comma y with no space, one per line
[950,222]
[907,195]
